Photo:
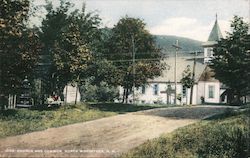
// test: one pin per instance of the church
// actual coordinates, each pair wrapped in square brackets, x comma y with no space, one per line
[206,89]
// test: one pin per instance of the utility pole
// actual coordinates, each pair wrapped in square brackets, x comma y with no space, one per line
[177,47]
[248,120]
[133,54]
[193,75]
[249,18]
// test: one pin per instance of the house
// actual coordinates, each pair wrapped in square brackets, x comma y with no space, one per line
[206,88]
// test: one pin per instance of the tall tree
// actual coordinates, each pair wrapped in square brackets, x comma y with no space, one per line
[130,36]
[69,39]
[187,80]
[19,46]
[232,59]
[71,56]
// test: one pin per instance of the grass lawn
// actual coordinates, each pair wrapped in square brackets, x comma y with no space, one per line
[20,121]
[226,136]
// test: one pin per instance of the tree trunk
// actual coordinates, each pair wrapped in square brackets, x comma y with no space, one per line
[66,95]
[191,94]
[126,96]
[229,96]
[238,98]
[76,94]
[123,95]
[4,102]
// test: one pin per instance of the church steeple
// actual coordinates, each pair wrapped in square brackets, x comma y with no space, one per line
[215,34]
[214,37]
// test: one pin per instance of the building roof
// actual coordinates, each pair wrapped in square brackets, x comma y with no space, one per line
[215,34]
[208,75]
[182,62]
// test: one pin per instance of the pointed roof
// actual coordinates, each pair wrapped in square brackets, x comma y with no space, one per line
[208,75]
[215,34]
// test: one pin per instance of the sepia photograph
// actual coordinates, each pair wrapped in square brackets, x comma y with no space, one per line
[125,78]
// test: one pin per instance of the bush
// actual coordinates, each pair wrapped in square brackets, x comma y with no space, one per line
[98,93]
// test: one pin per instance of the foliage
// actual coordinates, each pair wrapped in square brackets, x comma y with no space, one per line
[69,38]
[102,70]
[19,46]
[187,80]
[126,33]
[232,59]
[223,137]
[98,93]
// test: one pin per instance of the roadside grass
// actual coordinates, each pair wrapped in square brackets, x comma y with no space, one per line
[125,108]
[20,121]
[226,135]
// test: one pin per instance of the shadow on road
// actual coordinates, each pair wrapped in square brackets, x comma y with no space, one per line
[188,112]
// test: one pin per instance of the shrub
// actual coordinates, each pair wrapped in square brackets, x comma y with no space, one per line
[98,93]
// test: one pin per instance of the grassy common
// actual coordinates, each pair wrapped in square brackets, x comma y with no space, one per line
[20,121]
[222,136]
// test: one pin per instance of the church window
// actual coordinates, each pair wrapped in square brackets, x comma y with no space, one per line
[211,92]
[209,52]
[155,89]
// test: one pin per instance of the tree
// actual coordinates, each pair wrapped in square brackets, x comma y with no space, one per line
[102,92]
[187,80]
[127,37]
[232,59]
[103,70]
[69,41]
[71,57]
[19,46]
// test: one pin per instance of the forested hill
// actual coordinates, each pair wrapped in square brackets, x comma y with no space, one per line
[165,42]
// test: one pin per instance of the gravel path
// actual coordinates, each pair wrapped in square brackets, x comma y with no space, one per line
[106,137]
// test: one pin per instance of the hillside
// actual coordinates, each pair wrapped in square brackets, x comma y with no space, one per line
[165,42]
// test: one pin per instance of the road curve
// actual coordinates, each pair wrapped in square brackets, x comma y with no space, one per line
[106,137]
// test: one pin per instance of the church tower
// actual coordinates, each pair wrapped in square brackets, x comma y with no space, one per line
[214,37]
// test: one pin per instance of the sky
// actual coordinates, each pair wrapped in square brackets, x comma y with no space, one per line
[187,18]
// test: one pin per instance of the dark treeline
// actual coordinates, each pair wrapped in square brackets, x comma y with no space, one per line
[70,46]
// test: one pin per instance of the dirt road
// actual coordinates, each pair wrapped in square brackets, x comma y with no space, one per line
[105,137]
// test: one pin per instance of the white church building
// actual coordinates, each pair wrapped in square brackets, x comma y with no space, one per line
[206,89]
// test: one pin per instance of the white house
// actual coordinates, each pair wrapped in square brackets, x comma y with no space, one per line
[206,88]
